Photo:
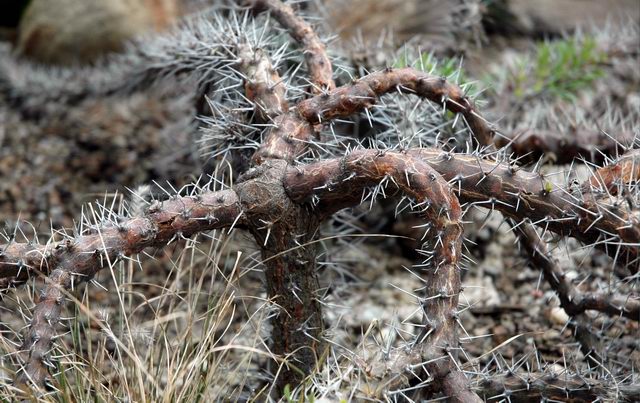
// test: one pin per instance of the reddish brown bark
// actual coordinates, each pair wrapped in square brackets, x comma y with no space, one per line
[282,205]
[564,146]
[315,54]
[611,178]
[263,85]
[572,301]
[521,194]
[293,132]
[283,229]
[517,193]
[332,185]
[37,343]
[79,259]
[163,222]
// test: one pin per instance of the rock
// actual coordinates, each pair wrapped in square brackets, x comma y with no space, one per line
[480,291]
[77,32]
[558,316]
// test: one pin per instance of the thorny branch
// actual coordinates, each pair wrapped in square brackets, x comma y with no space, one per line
[292,132]
[318,63]
[613,179]
[612,225]
[38,341]
[571,300]
[336,184]
[163,222]
[323,181]
[552,387]
[263,86]
[565,146]
[513,191]
[78,259]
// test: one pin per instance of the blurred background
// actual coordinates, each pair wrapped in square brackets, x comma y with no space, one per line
[79,31]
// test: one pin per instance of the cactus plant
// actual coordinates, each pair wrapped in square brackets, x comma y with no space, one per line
[286,114]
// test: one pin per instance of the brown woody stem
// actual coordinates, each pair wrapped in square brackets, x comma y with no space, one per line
[279,226]
[519,194]
[516,193]
[283,227]
[79,259]
[38,341]
[283,230]
[567,295]
[573,302]
[565,146]
[338,183]
[292,133]
[616,176]
[163,222]
[315,54]
[263,85]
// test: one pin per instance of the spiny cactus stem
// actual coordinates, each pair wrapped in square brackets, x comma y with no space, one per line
[263,86]
[516,193]
[521,194]
[283,229]
[163,222]
[339,183]
[613,177]
[318,63]
[78,260]
[572,301]
[564,147]
[39,339]
[293,131]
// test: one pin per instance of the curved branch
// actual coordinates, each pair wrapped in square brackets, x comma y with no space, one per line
[516,193]
[163,222]
[573,302]
[315,54]
[564,147]
[292,133]
[335,184]
[613,226]
[78,260]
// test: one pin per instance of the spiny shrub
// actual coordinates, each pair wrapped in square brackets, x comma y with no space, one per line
[293,170]
[558,69]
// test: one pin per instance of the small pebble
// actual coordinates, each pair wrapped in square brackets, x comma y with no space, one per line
[558,316]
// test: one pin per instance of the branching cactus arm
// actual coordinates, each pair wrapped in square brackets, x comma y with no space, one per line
[293,132]
[334,184]
[78,260]
[282,204]
[318,63]
[609,224]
